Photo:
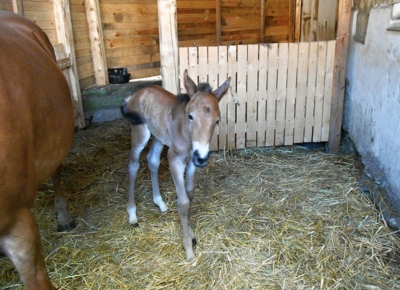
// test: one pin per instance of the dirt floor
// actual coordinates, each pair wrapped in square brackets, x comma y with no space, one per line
[266,218]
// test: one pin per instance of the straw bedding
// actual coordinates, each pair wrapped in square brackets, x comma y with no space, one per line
[267,218]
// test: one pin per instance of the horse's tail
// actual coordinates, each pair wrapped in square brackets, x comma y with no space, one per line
[132,116]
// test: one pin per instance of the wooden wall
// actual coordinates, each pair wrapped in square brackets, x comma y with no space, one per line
[319,20]
[41,12]
[229,22]
[131,35]
[130,30]
[6,5]
[83,54]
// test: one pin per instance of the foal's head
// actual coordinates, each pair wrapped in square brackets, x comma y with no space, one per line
[203,114]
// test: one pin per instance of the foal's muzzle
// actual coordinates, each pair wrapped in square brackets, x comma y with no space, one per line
[198,161]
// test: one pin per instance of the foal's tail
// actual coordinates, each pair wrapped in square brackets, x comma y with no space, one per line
[134,117]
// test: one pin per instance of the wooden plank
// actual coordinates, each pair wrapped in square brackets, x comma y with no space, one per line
[251,107]
[326,112]
[183,65]
[319,93]
[262,22]
[202,66]
[96,42]
[301,92]
[262,94]
[291,93]
[232,98]
[142,8]
[62,18]
[282,91]
[241,97]
[213,81]
[17,7]
[192,69]
[297,21]
[326,21]
[310,99]
[339,74]
[272,93]
[218,20]
[222,77]
[168,45]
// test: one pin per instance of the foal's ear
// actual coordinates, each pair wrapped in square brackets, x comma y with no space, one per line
[221,91]
[190,86]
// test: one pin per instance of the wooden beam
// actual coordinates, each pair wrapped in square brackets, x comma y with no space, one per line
[17,7]
[62,18]
[292,21]
[262,22]
[96,42]
[167,23]
[339,75]
[218,20]
[297,21]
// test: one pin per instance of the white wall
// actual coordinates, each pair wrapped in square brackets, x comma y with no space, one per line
[372,104]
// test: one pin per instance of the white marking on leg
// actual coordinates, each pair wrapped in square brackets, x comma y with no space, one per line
[161,204]
[131,209]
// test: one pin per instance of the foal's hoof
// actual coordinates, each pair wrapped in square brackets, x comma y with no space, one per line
[67,227]
[134,225]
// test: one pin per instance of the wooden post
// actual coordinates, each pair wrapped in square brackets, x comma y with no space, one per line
[96,42]
[17,7]
[168,45]
[62,17]
[297,21]
[262,22]
[339,75]
[218,20]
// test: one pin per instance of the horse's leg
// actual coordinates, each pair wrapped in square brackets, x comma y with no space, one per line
[65,221]
[190,172]
[153,159]
[140,136]
[23,246]
[177,166]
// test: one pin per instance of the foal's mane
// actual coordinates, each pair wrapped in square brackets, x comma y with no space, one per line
[203,87]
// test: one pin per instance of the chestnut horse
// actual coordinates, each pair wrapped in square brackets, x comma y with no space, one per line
[36,132]
[185,124]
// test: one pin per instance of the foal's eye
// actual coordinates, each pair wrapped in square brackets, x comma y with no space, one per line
[190,117]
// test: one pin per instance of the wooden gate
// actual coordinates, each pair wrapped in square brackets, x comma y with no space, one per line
[280,94]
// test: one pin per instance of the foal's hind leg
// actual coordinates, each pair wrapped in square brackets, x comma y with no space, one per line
[65,221]
[153,159]
[140,136]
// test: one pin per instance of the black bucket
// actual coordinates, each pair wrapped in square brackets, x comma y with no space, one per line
[118,75]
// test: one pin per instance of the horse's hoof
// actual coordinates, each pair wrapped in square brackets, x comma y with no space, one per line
[134,225]
[194,242]
[67,227]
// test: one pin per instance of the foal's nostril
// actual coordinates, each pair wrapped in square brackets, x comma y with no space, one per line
[198,161]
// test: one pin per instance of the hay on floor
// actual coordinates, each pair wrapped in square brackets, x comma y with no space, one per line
[270,218]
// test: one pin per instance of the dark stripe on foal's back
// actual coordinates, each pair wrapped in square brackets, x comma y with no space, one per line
[134,117]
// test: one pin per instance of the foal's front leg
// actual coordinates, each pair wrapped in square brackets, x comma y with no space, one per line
[190,172]
[177,166]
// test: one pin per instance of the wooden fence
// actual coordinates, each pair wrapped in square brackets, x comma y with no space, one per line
[280,94]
